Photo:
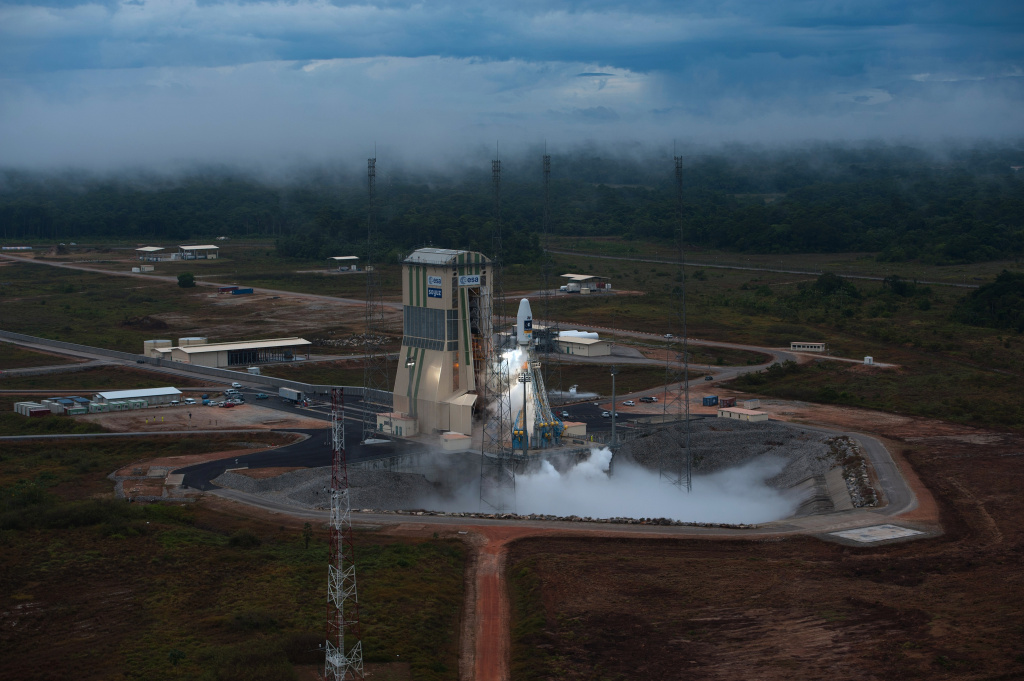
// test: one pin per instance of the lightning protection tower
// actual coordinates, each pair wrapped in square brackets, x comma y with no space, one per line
[344,650]
[674,466]
[497,464]
[553,366]
[376,398]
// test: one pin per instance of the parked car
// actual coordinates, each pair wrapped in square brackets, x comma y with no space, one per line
[236,385]
[649,399]
[206,396]
[629,403]
[189,400]
[606,414]
[174,403]
[261,396]
[227,405]
[709,378]
[668,335]
[565,414]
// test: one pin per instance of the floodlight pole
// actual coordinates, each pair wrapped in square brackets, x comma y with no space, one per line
[615,370]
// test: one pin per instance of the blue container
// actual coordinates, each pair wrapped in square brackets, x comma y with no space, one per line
[711,401]
[241,291]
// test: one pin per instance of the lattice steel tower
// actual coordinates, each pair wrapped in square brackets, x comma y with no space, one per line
[375,368]
[553,366]
[344,657]
[497,464]
[675,467]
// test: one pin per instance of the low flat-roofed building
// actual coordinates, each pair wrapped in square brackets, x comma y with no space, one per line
[801,346]
[396,423]
[345,263]
[584,347]
[243,353]
[152,396]
[742,414]
[149,252]
[204,252]
[578,282]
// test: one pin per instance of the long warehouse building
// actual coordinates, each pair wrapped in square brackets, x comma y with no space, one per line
[224,355]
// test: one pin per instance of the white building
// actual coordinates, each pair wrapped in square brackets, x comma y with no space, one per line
[800,346]
[742,414]
[204,252]
[153,396]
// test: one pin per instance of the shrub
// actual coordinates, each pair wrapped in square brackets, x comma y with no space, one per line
[244,539]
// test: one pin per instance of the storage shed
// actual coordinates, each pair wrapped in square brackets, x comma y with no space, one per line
[578,282]
[204,252]
[742,414]
[584,347]
[801,346]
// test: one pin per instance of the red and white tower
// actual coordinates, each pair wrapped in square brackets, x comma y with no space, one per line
[344,659]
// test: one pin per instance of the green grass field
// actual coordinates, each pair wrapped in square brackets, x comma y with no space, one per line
[190,592]
[16,357]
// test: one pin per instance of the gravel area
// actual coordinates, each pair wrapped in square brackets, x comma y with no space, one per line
[718,444]
[309,487]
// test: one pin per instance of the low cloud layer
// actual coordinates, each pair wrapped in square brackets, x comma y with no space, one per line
[164,82]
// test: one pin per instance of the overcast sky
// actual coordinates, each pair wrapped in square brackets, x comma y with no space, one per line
[104,84]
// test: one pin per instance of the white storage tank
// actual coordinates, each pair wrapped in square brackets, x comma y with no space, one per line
[149,347]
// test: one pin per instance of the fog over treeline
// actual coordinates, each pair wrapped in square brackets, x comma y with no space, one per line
[959,204]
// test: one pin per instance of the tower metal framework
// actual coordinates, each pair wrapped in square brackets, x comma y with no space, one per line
[675,467]
[375,366]
[553,366]
[344,649]
[497,461]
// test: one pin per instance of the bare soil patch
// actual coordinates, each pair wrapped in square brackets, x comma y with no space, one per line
[948,607]
[203,418]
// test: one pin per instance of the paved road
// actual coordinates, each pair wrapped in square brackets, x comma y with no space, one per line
[745,267]
[199,282]
[145,433]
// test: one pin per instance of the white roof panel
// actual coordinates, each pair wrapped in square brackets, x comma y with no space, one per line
[207,247]
[576,340]
[150,249]
[344,257]
[437,256]
[133,394]
[245,345]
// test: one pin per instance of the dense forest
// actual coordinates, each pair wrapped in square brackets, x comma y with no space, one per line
[964,205]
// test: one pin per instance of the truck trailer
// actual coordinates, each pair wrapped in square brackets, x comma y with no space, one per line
[289,394]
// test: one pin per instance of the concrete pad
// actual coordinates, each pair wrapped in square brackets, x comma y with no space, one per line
[867,535]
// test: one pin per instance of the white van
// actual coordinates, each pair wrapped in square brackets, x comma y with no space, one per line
[189,400]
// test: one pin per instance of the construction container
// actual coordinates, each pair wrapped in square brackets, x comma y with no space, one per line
[138,404]
[727,402]
[117,405]
[241,291]
[77,411]
[98,407]
[710,401]
[750,404]
[136,270]
[39,413]
[146,268]
[227,289]
[869,360]
[23,408]
[255,371]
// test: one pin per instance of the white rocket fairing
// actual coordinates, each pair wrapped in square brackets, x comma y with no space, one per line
[524,323]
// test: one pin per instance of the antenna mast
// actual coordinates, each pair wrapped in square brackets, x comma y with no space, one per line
[344,660]
[677,469]
[376,398]
[497,465]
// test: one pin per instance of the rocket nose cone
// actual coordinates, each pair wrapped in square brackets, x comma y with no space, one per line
[524,307]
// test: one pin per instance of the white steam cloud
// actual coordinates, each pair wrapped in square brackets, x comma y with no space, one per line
[734,496]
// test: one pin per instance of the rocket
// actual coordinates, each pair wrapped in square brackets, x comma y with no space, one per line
[524,323]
